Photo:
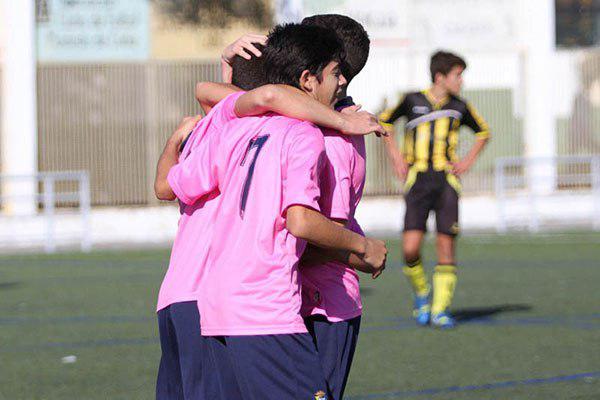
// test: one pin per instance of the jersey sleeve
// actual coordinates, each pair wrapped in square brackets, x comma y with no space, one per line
[225,111]
[473,120]
[195,176]
[305,153]
[389,117]
[336,179]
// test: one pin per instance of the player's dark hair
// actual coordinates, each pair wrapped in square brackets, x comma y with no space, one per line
[353,35]
[248,74]
[293,48]
[442,62]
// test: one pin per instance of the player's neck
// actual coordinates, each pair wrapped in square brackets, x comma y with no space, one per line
[343,93]
[438,93]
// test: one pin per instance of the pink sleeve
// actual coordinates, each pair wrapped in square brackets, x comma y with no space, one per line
[302,166]
[336,179]
[226,109]
[195,176]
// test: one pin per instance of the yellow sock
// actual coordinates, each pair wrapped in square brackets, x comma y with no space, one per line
[417,279]
[444,281]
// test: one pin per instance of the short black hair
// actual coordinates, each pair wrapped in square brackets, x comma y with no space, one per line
[353,35]
[294,48]
[443,61]
[248,74]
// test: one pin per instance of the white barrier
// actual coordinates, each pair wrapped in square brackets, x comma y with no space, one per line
[60,216]
[571,195]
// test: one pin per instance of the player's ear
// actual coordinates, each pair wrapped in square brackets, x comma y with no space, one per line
[307,81]
[438,77]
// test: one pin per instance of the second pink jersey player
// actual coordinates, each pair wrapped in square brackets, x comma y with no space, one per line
[261,166]
[332,289]
[188,256]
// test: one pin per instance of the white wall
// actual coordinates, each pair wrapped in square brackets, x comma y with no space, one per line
[18,118]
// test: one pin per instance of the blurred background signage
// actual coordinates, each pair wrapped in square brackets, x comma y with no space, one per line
[89,30]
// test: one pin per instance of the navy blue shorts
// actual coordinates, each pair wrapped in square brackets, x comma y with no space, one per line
[181,374]
[336,343]
[265,367]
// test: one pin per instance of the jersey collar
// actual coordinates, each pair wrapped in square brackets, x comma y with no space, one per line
[436,105]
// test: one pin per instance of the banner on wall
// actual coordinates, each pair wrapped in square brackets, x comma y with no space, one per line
[463,24]
[92,30]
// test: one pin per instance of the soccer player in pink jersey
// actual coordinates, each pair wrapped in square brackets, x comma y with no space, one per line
[194,210]
[331,302]
[331,296]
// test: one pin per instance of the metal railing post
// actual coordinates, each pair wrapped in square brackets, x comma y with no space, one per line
[596,192]
[84,207]
[533,220]
[48,200]
[500,198]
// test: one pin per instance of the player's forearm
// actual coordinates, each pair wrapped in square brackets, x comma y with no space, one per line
[312,226]
[317,256]
[226,71]
[209,93]
[391,147]
[476,150]
[291,102]
[167,160]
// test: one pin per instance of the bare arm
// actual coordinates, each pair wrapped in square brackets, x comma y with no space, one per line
[226,71]
[291,102]
[397,159]
[170,157]
[316,256]
[208,94]
[310,225]
[467,162]
[294,103]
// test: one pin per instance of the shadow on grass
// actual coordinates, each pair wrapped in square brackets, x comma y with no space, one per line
[9,285]
[366,291]
[474,313]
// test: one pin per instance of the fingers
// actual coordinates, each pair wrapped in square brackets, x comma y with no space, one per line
[378,273]
[240,51]
[380,130]
[350,109]
[253,49]
[244,47]
[255,38]
[247,41]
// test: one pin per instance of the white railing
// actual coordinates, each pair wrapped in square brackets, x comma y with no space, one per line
[536,193]
[55,195]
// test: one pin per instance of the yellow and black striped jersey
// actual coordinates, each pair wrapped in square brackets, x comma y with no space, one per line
[431,131]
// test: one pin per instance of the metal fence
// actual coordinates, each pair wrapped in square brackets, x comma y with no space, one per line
[32,218]
[112,120]
[532,193]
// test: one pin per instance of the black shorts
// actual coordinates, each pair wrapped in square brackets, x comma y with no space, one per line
[284,366]
[184,370]
[432,191]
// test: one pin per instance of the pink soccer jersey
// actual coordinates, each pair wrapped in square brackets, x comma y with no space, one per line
[261,166]
[188,255]
[332,289]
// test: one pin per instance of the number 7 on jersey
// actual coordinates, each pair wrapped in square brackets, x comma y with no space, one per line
[257,143]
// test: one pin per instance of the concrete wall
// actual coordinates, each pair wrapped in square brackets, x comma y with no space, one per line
[157,226]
